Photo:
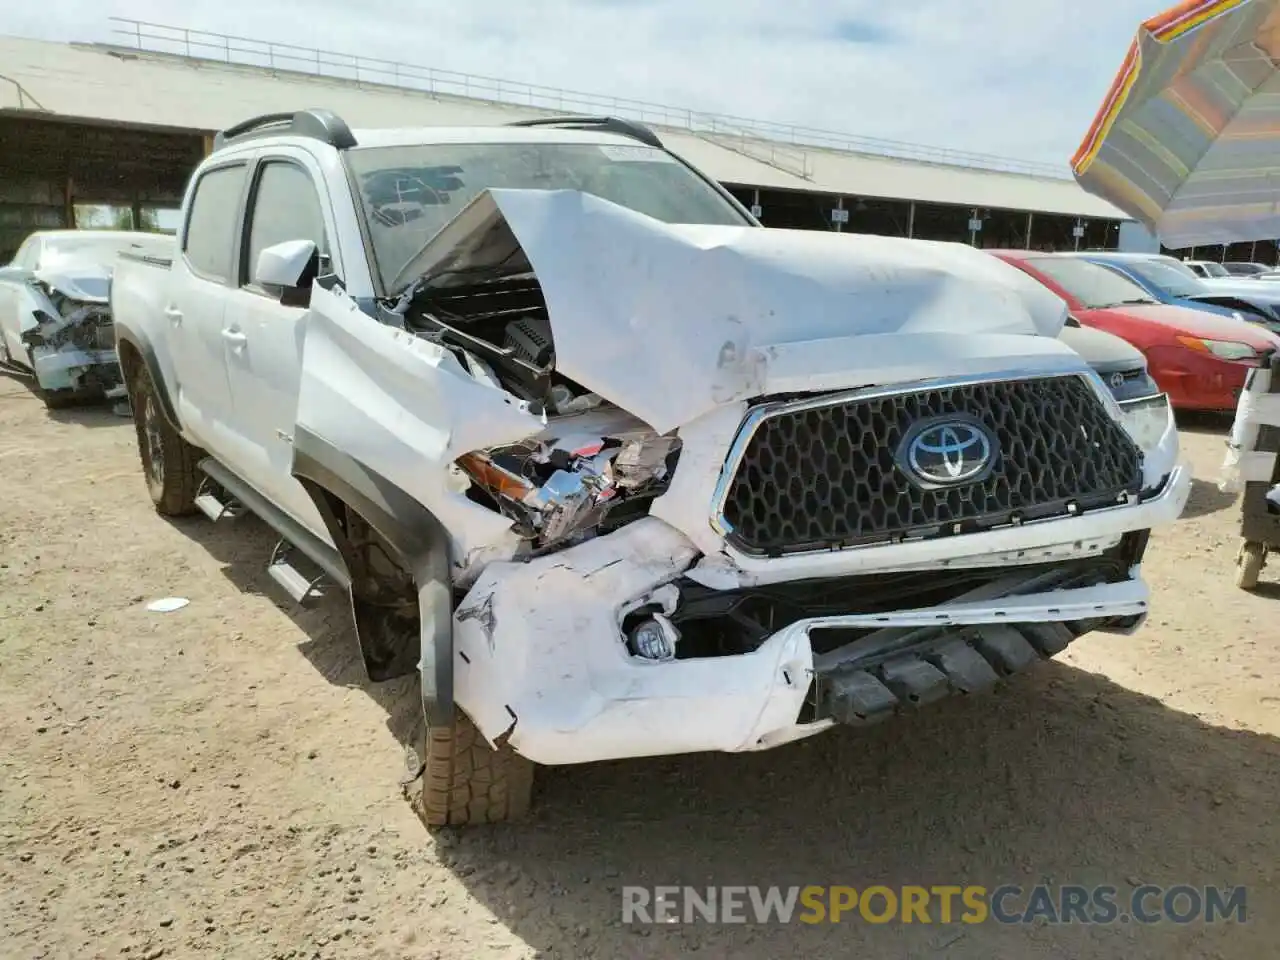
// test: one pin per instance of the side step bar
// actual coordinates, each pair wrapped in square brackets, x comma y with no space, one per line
[240,497]
[207,502]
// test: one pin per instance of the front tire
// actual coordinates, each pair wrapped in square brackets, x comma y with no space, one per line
[168,461]
[1249,565]
[466,782]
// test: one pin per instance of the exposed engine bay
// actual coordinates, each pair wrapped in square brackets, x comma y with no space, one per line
[595,467]
[83,325]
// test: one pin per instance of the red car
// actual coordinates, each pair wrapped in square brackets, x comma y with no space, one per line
[1199,359]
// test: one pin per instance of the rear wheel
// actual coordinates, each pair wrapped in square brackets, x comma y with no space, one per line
[168,461]
[466,782]
[1249,564]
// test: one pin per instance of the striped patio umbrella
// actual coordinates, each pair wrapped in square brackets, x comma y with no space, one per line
[1188,138]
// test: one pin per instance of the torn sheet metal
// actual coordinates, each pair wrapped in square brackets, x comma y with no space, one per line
[541,655]
[386,397]
[669,321]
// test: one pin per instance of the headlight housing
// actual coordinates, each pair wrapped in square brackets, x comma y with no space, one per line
[1223,349]
[1146,420]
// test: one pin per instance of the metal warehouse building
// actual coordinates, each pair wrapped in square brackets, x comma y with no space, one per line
[121,125]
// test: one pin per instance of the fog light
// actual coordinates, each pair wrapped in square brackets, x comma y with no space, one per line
[654,639]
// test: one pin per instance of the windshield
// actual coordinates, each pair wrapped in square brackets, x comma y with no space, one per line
[1092,285]
[409,193]
[1174,278]
[1212,269]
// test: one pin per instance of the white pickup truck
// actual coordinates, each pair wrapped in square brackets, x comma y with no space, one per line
[620,472]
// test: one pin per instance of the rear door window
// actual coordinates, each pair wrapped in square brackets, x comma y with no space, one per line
[209,240]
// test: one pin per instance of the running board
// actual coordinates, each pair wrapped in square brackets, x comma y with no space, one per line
[236,495]
[296,584]
[215,508]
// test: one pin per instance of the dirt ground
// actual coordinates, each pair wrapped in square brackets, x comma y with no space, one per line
[220,782]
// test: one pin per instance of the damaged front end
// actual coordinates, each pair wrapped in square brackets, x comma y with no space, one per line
[691,525]
[70,338]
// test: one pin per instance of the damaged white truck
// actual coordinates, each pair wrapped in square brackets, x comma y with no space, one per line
[620,472]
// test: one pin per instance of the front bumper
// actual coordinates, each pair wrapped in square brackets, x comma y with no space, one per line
[1197,381]
[541,661]
[81,371]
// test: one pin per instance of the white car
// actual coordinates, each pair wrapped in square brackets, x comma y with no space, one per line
[55,322]
[618,471]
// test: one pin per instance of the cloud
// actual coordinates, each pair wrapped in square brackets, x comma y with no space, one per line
[1017,78]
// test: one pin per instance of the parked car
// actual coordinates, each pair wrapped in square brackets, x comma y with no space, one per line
[55,322]
[1239,268]
[1170,281]
[618,471]
[1200,360]
[1208,269]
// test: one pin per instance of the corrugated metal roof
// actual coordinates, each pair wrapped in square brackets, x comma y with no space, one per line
[127,86]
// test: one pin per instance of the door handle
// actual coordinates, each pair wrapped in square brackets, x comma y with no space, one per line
[174,315]
[234,337]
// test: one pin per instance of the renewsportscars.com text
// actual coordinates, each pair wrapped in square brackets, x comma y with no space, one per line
[1007,904]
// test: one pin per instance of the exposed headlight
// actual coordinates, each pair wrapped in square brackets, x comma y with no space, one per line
[1147,420]
[1225,349]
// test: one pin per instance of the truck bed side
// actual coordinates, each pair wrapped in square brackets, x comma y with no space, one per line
[140,294]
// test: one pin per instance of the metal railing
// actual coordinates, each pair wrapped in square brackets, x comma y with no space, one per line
[245,51]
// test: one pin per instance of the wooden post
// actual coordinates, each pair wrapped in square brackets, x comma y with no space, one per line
[68,204]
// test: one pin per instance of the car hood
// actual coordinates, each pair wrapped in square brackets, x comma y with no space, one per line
[1196,323]
[669,321]
[1260,290]
[82,281]
[1101,350]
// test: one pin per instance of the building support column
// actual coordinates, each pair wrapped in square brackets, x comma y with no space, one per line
[1030,218]
[911,219]
[68,202]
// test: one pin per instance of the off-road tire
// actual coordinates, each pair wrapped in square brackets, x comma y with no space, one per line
[168,461]
[1249,565]
[466,782]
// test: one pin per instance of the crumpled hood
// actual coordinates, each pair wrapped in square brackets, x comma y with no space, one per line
[669,321]
[84,281]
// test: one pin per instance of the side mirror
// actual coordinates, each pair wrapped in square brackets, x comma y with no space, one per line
[287,266]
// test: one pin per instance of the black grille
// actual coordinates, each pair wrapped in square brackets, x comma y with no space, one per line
[827,476]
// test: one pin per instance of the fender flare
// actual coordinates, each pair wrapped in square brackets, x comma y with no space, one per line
[414,532]
[139,342]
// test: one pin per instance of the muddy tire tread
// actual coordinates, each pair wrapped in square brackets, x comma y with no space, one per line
[465,782]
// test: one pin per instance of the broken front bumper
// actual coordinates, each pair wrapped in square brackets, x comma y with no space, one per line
[71,368]
[541,658]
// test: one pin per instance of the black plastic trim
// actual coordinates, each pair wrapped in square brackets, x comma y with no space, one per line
[624,128]
[147,352]
[414,532]
[315,123]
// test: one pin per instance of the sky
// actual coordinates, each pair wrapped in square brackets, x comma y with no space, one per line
[1020,79]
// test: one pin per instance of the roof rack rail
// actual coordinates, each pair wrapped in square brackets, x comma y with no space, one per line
[323,125]
[625,128]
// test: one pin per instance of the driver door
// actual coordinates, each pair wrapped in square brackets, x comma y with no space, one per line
[263,336]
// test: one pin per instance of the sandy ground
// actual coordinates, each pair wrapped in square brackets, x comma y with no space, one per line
[220,782]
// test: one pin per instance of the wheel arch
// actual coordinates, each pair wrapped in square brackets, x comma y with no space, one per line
[135,351]
[335,480]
